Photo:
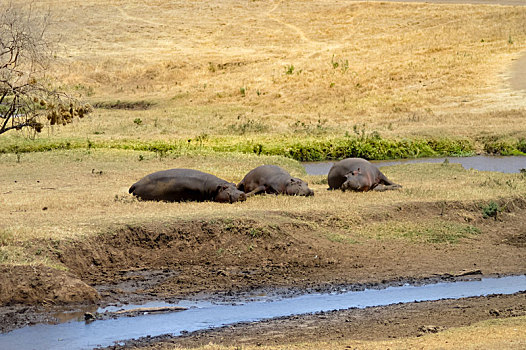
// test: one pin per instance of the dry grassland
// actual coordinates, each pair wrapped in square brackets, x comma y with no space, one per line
[282,67]
[70,194]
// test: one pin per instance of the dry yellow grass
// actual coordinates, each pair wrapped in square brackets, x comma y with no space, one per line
[63,195]
[403,69]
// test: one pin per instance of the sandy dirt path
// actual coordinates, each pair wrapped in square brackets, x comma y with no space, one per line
[518,74]
[474,2]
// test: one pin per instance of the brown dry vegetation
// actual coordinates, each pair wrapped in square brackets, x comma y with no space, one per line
[209,66]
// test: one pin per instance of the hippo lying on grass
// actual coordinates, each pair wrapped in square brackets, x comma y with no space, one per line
[176,185]
[273,179]
[357,174]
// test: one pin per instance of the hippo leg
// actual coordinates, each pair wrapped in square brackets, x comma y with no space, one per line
[390,185]
[381,187]
[258,189]
[384,180]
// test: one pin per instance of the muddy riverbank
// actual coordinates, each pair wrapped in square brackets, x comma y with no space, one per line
[118,324]
[185,261]
[373,324]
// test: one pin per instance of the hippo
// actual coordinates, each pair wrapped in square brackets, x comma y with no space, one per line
[273,179]
[176,185]
[357,174]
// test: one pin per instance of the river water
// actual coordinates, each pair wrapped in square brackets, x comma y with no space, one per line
[511,164]
[206,315]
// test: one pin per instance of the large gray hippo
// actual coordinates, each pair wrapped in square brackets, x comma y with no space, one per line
[273,179]
[176,185]
[357,174]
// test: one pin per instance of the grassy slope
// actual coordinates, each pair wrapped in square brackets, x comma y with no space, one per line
[216,69]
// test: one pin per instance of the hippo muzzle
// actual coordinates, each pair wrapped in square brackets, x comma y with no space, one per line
[230,194]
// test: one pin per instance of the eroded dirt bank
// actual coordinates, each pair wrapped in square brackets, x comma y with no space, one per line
[240,255]
[222,257]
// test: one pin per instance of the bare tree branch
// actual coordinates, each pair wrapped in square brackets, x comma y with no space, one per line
[27,100]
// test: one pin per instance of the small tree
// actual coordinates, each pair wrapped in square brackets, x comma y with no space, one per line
[27,97]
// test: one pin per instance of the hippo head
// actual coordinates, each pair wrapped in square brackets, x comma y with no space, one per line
[355,181]
[298,187]
[228,193]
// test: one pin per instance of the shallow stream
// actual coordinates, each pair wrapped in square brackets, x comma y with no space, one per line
[512,164]
[205,315]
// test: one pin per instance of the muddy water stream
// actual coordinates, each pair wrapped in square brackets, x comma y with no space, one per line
[205,315]
[511,164]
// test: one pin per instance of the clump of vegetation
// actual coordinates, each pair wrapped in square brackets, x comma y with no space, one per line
[309,128]
[521,145]
[342,64]
[256,232]
[505,146]
[491,210]
[128,105]
[6,237]
[245,126]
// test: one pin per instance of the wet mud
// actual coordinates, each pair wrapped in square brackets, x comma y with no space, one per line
[374,323]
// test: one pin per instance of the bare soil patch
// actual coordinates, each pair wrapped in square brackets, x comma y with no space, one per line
[42,285]
[241,255]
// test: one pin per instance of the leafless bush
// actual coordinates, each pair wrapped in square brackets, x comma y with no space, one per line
[27,96]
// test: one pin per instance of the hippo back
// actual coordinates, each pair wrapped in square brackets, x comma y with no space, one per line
[175,185]
[338,172]
[273,179]
[261,176]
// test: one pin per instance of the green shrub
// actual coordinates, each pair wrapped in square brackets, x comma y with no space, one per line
[491,210]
